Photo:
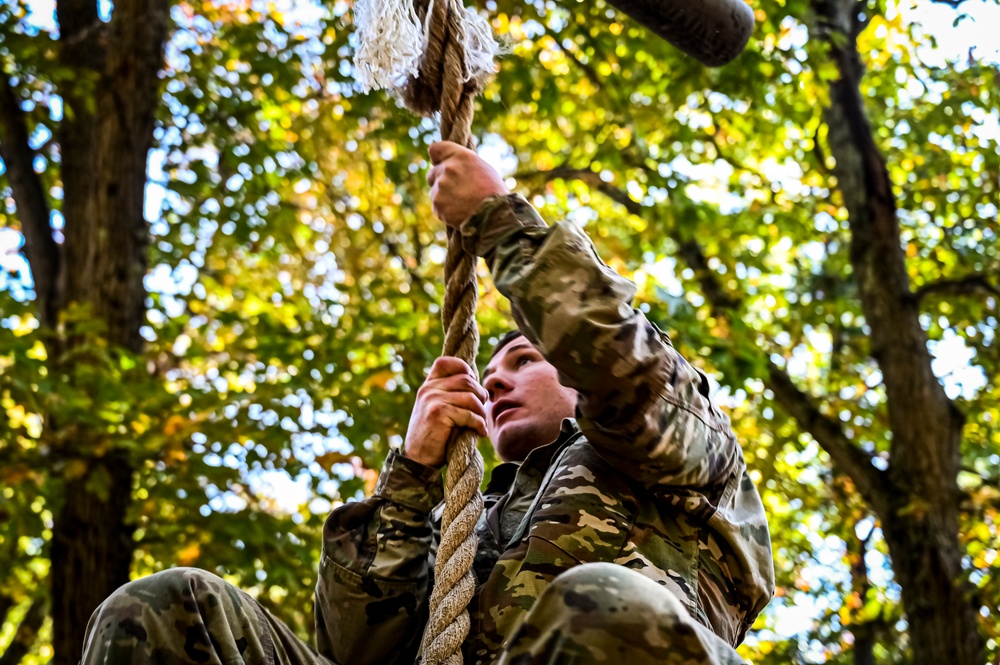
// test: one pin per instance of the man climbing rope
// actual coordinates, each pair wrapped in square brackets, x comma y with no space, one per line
[631,533]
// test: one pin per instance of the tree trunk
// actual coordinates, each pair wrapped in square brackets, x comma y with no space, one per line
[940,611]
[105,139]
[91,551]
[918,504]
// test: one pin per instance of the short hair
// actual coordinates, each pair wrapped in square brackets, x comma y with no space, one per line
[504,340]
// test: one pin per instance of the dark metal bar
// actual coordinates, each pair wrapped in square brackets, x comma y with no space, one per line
[711,31]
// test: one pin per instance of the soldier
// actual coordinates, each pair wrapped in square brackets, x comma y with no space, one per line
[628,533]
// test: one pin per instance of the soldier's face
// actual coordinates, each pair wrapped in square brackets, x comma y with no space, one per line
[527,403]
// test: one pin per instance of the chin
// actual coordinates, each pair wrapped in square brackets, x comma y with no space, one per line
[516,440]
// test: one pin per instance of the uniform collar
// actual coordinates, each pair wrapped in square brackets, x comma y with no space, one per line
[502,476]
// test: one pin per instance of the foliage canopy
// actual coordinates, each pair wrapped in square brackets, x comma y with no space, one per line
[295,283]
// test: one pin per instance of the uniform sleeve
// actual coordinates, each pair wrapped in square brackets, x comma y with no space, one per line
[374,574]
[640,401]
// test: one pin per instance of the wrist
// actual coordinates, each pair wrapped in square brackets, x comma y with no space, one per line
[496,218]
[416,454]
[408,483]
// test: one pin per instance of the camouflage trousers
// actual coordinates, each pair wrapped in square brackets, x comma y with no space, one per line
[593,613]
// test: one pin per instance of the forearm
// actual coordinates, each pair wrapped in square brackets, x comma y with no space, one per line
[375,569]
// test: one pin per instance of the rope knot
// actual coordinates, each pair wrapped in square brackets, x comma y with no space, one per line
[431,54]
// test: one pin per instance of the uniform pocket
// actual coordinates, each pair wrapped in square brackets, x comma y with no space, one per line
[663,546]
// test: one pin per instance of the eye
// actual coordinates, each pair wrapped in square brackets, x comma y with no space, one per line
[523,360]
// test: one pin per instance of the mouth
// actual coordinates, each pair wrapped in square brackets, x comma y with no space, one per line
[502,407]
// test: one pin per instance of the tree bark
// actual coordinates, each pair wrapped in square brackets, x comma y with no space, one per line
[105,137]
[32,205]
[91,551]
[921,521]
[104,174]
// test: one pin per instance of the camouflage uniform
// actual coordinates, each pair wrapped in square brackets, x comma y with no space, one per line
[636,535]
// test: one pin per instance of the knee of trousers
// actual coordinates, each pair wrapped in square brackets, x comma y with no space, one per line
[599,613]
[614,591]
[163,613]
[175,586]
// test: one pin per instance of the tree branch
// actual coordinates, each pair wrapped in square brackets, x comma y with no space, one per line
[719,297]
[32,206]
[861,8]
[925,423]
[989,481]
[723,153]
[26,634]
[864,630]
[587,70]
[847,457]
[592,180]
[968,285]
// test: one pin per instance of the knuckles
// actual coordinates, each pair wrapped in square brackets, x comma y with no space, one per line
[435,410]
[441,363]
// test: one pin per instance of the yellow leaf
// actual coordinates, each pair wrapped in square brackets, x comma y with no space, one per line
[174,456]
[174,425]
[141,423]
[371,478]
[189,555]
[23,325]
[379,379]
[16,416]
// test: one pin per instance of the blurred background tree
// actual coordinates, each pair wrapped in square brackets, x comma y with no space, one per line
[221,281]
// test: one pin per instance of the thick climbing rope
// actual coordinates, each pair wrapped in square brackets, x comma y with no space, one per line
[444,82]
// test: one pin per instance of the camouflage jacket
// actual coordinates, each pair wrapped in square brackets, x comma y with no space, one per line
[648,476]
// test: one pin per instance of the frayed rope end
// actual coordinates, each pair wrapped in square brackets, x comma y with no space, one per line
[391,41]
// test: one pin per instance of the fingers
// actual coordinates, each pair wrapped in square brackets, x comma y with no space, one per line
[464,401]
[457,383]
[460,390]
[450,398]
[434,200]
[442,150]
[460,181]
[446,366]
[459,417]
[460,383]
[435,174]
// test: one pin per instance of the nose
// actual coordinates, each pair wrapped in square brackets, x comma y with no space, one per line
[497,384]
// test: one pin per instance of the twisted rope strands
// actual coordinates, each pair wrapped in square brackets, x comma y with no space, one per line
[443,72]
[456,61]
